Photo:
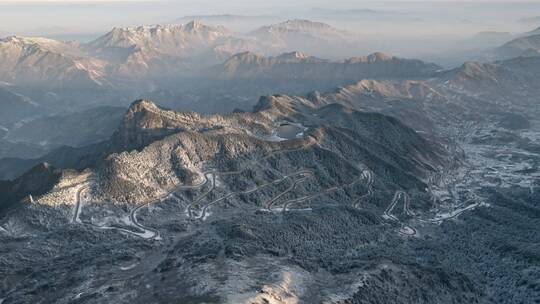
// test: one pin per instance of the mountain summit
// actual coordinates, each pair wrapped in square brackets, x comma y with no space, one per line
[166,39]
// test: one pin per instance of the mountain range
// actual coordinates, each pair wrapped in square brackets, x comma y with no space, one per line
[300,66]
[152,51]
[307,36]
[371,179]
[191,66]
[236,23]
[378,158]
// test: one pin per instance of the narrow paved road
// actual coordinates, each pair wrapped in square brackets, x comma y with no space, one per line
[271,202]
[387,215]
[79,202]
[364,175]
[206,207]
[148,233]
[450,215]
[210,176]
[368,176]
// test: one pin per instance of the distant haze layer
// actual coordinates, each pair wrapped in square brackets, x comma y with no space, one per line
[420,29]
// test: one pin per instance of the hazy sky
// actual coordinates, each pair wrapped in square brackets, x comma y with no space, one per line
[335,2]
[399,17]
[265,0]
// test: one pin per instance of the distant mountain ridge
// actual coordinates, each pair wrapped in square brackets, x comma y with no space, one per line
[156,49]
[307,36]
[301,27]
[300,66]
[524,46]
[46,62]
[148,51]
[167,39]
[237,23]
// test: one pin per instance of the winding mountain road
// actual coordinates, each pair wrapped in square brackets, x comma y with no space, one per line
[439,218]
[148,233]
[195,210]
[387,215]
[368,175]
[79,202]
[304,172]
[365,175]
